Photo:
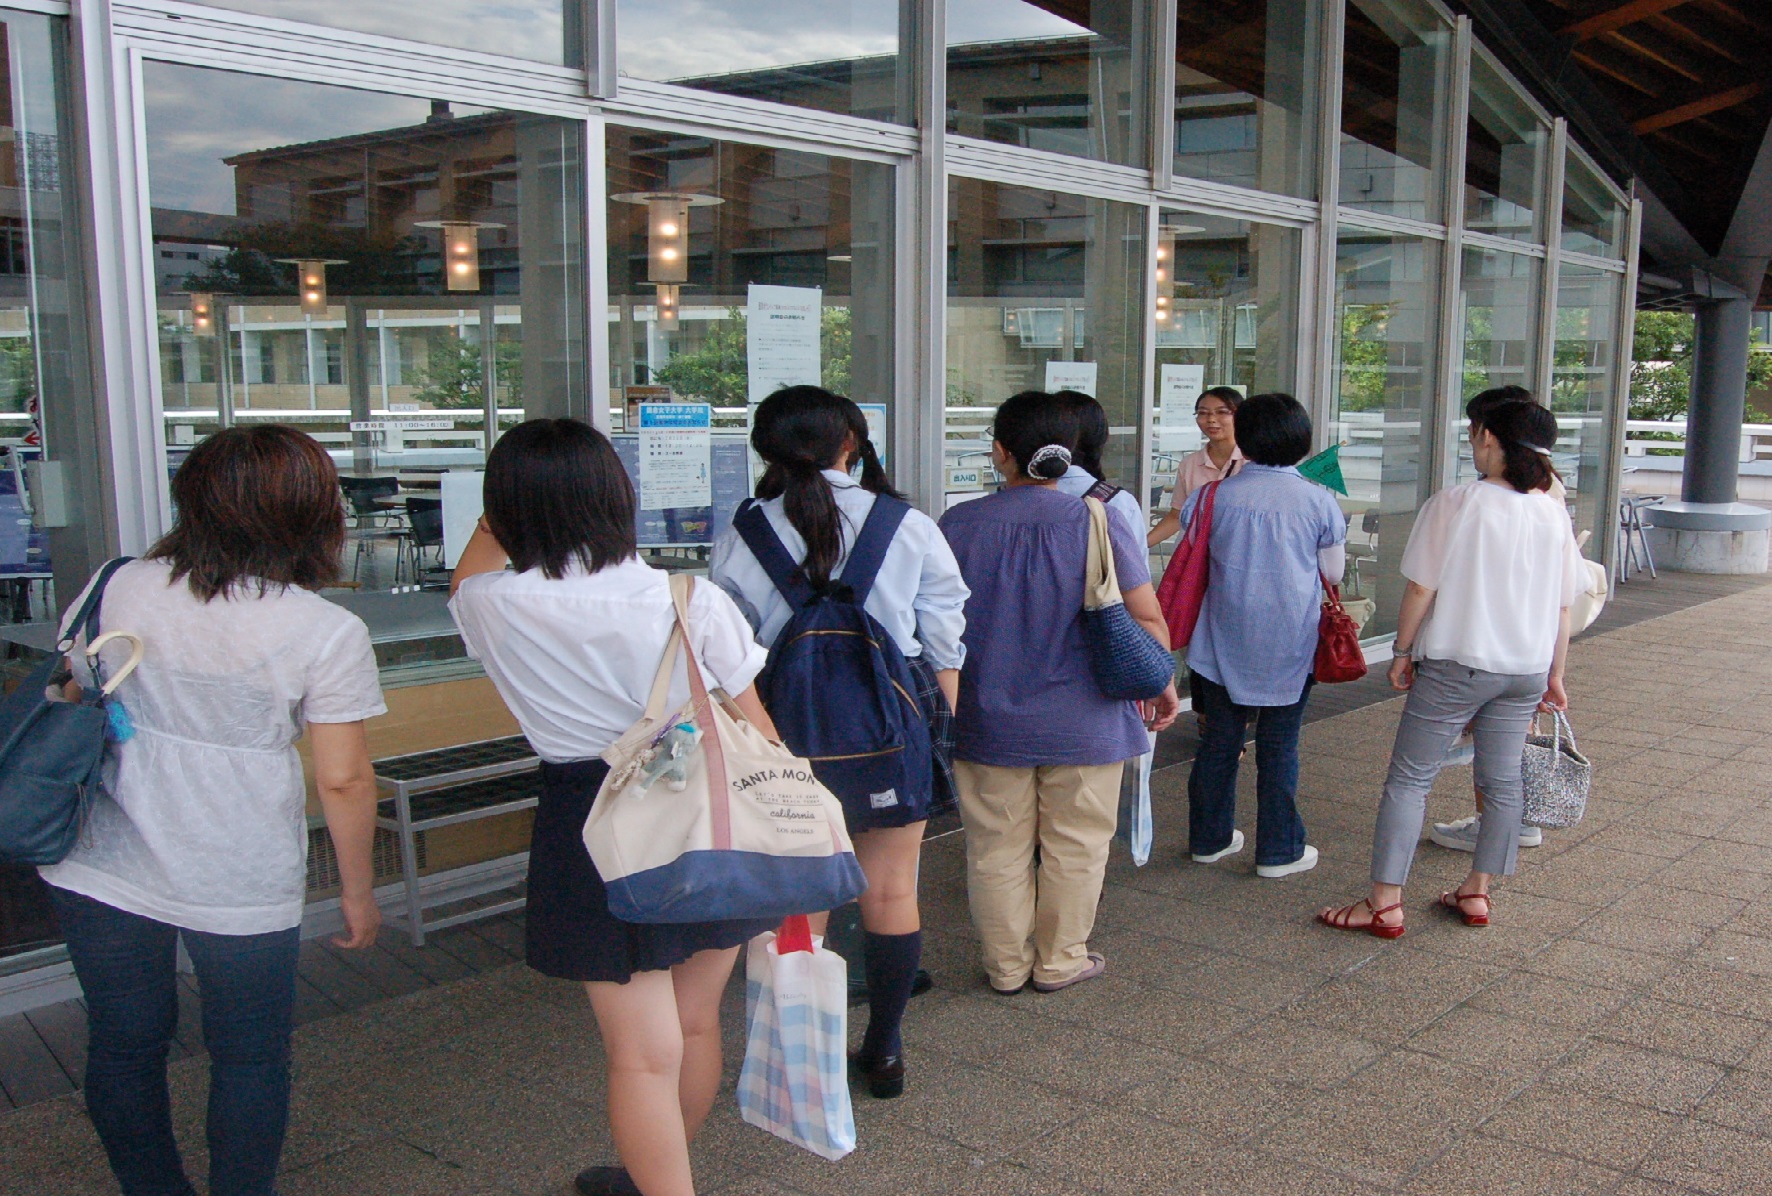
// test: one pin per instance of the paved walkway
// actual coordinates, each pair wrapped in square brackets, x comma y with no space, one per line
[1611,1034]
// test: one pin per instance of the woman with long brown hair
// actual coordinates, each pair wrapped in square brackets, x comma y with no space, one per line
[200,832]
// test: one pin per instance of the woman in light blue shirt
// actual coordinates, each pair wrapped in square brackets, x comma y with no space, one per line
[1086,475]
[810,439]
[1273,532]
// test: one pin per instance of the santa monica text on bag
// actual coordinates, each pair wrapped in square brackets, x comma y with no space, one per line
[51,749]
[729,825]
[837,686]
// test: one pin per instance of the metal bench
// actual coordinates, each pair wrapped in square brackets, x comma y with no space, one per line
[465,783]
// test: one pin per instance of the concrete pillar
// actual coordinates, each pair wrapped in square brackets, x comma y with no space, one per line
[1719,395]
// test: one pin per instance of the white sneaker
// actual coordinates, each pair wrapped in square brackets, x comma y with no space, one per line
[1462,834]
[1303,863]
[1233,849]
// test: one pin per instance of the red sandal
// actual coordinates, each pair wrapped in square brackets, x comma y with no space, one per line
[1342,919]
[1453,901]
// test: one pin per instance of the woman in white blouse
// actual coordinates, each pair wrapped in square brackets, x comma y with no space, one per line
[1492,567]
[572,635]
[200,830]
[811,439]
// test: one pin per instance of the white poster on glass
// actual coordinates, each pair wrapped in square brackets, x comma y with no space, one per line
[1178,389]
[676,456]
[1071,375]
[782,326]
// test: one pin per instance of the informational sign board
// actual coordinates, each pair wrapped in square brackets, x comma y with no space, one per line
[782,329]
[402,425]
[1071,375]
[1178,389]
[676,465]
[876,413]
[686,527]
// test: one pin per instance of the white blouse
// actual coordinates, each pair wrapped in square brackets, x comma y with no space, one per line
[1502,565]
[574,657]
[918,595]
[203,822]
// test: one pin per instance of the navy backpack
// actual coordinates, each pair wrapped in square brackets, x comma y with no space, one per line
[838,688]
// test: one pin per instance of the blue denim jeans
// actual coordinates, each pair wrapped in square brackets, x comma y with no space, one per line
[1212,784]
[127,966]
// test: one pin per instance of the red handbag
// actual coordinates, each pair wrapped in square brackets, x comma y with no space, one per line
[1183,589]
[1339,657]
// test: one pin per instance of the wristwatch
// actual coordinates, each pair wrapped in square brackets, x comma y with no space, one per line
[1404,653]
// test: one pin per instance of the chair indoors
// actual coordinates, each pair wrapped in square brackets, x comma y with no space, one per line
[369,521]
[421,545]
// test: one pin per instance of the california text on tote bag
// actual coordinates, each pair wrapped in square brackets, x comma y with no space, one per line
[704,819]
[795,1081]
[1182,591]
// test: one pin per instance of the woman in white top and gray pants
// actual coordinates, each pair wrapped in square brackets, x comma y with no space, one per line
[1492,567]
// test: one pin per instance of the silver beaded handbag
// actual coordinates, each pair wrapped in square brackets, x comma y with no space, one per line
[1556,775]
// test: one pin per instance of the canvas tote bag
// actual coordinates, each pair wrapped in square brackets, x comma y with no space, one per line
[703,819]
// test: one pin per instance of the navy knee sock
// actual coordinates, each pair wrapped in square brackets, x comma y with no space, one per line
[891,961]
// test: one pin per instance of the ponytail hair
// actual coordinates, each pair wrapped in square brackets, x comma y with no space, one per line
[1039,431]
[1092,430]
[799,431]
[1527,433]
[873,474]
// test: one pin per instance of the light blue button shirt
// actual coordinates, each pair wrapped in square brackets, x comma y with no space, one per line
[1077,481]
[918,595]
[1257,634]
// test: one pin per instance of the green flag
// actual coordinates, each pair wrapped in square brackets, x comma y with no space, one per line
[1325,469]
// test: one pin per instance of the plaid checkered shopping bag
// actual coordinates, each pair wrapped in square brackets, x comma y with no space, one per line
[795,1081]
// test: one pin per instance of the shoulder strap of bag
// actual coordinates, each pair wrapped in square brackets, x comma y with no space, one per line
[86,619]
[1201,524]
[753,527]
[713,751]
[1331,591]
[1100,585]
[1102,491]
[667,665]
[869,550]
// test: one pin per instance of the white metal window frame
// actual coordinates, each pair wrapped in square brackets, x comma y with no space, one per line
[192,34]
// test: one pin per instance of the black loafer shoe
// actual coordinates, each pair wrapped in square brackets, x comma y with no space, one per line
[605,1181]
[885,1076]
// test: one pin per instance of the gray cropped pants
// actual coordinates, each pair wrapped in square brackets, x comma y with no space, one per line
[1445,698]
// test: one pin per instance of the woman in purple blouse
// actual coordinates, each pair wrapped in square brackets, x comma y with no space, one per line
[1038,749]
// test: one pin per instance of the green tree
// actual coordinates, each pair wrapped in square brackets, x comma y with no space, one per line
[450,377]
[18,374]
[1661,372]
[717,370]
[1365,355]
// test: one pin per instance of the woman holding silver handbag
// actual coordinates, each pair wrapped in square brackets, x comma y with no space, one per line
[572,636]
[1492,568]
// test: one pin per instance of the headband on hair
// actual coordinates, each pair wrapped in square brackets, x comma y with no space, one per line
[1045,454]
[1543,452]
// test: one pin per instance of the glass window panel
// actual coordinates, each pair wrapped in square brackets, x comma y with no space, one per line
[849,56]
[1037,279]
[46,401]
[249,176]
[1393,107]
[1386,293]
[1067,76]
[1227,315]
[1245,93]
[1584,375]
[1500,302]
[1593,221]
[820,226]
[538,30]
[1505,147]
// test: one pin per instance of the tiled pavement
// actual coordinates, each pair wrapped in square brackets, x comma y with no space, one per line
[1611,1034]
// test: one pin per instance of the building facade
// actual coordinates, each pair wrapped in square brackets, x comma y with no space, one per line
[347,214]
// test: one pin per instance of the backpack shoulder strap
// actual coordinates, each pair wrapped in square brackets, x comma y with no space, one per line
[871,543]
[86,618]
[753,527]
[1102,492]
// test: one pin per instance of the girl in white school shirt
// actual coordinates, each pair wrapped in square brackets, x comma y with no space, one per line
[1492,567]
[811,439]
[572,635]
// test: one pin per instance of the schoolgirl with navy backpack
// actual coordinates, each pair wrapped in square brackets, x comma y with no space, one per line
[860,602]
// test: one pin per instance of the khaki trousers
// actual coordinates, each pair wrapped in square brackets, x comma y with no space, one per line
[1035,921]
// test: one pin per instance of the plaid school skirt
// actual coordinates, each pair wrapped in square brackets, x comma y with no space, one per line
[940,717]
